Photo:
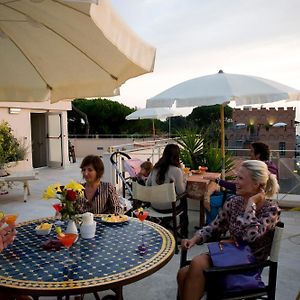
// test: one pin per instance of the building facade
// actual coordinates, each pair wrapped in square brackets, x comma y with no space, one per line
[42,128]
[273,126]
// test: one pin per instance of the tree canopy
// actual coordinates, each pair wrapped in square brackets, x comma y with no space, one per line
[204,116]
[106,117]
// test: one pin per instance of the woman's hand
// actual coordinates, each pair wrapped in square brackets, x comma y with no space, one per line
[7,234]
[259,197]
[188,244]
[256,200]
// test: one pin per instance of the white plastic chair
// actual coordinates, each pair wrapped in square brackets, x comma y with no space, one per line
[164,193]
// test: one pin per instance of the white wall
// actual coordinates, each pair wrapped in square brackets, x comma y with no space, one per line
[20,124]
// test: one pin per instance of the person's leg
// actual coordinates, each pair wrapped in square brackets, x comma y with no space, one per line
[211,188]
[181,276]
[194,283]
[184,218]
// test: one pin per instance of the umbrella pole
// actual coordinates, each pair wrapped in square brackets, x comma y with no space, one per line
[153,128]
[222,141]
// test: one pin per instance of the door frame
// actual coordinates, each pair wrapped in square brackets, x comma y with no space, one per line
[55,164]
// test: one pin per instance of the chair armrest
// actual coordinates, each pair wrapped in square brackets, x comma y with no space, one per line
[217,271]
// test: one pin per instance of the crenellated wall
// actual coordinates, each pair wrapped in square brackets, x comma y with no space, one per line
[259,127]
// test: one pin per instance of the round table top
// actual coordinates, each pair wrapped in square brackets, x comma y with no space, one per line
[110,259]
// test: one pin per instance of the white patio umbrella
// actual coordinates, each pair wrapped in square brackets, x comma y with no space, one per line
[221,88]
[154,113]
[279,124]
[55,49]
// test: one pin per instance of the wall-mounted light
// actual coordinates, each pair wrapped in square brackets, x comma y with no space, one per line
[13,110]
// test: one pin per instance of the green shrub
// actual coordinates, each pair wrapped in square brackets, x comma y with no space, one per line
[191,151]
[199,149]
[11,149]
[212,158]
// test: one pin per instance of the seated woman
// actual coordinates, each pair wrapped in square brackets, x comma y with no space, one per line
[167,170]
[248,216]
[258,151]
[99,197]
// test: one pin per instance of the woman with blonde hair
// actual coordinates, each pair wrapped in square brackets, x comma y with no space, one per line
[250,217]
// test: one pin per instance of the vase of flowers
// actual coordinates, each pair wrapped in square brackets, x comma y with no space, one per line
[72,227]
[69,204]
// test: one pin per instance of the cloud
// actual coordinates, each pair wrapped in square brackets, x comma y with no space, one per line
[195,38]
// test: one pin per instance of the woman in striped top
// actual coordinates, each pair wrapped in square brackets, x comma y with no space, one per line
[99,197]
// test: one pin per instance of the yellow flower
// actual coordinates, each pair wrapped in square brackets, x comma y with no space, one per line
[75,186]
[56,187]
[50,193]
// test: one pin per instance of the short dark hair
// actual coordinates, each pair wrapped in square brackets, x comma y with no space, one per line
[96,162]
[262,150]
[147,165]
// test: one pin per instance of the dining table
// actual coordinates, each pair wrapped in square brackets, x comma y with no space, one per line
[197,186]
[110,260]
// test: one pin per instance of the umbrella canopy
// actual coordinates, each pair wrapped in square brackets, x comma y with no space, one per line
[154,113]
[57,50]
[221,88]
[279,124]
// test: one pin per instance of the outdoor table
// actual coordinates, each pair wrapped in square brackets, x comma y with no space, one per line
[196,189]
[108,261]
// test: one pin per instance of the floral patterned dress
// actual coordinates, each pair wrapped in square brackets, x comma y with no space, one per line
[256,227]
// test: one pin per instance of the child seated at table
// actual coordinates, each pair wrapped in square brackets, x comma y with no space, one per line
[146,168]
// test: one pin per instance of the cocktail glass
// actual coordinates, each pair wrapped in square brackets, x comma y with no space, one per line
[142,215]
[11,218]
[68,239]
[58,208]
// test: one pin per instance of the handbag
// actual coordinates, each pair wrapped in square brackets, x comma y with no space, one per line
[232,254]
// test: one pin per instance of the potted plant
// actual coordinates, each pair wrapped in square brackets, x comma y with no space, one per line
[191,150]
[201,149]
[212,158]
[11,149]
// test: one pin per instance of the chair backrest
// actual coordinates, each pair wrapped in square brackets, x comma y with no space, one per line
[276,242]
[164,193]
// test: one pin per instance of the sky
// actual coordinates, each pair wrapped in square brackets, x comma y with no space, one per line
[199,37]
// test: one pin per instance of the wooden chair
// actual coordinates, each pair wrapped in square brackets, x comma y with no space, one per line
[164,193]
[268,292]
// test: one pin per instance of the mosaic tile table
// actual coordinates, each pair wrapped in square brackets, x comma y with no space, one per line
[108,261]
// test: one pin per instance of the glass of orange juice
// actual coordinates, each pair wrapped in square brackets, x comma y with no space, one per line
[11,218]
[186,170]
